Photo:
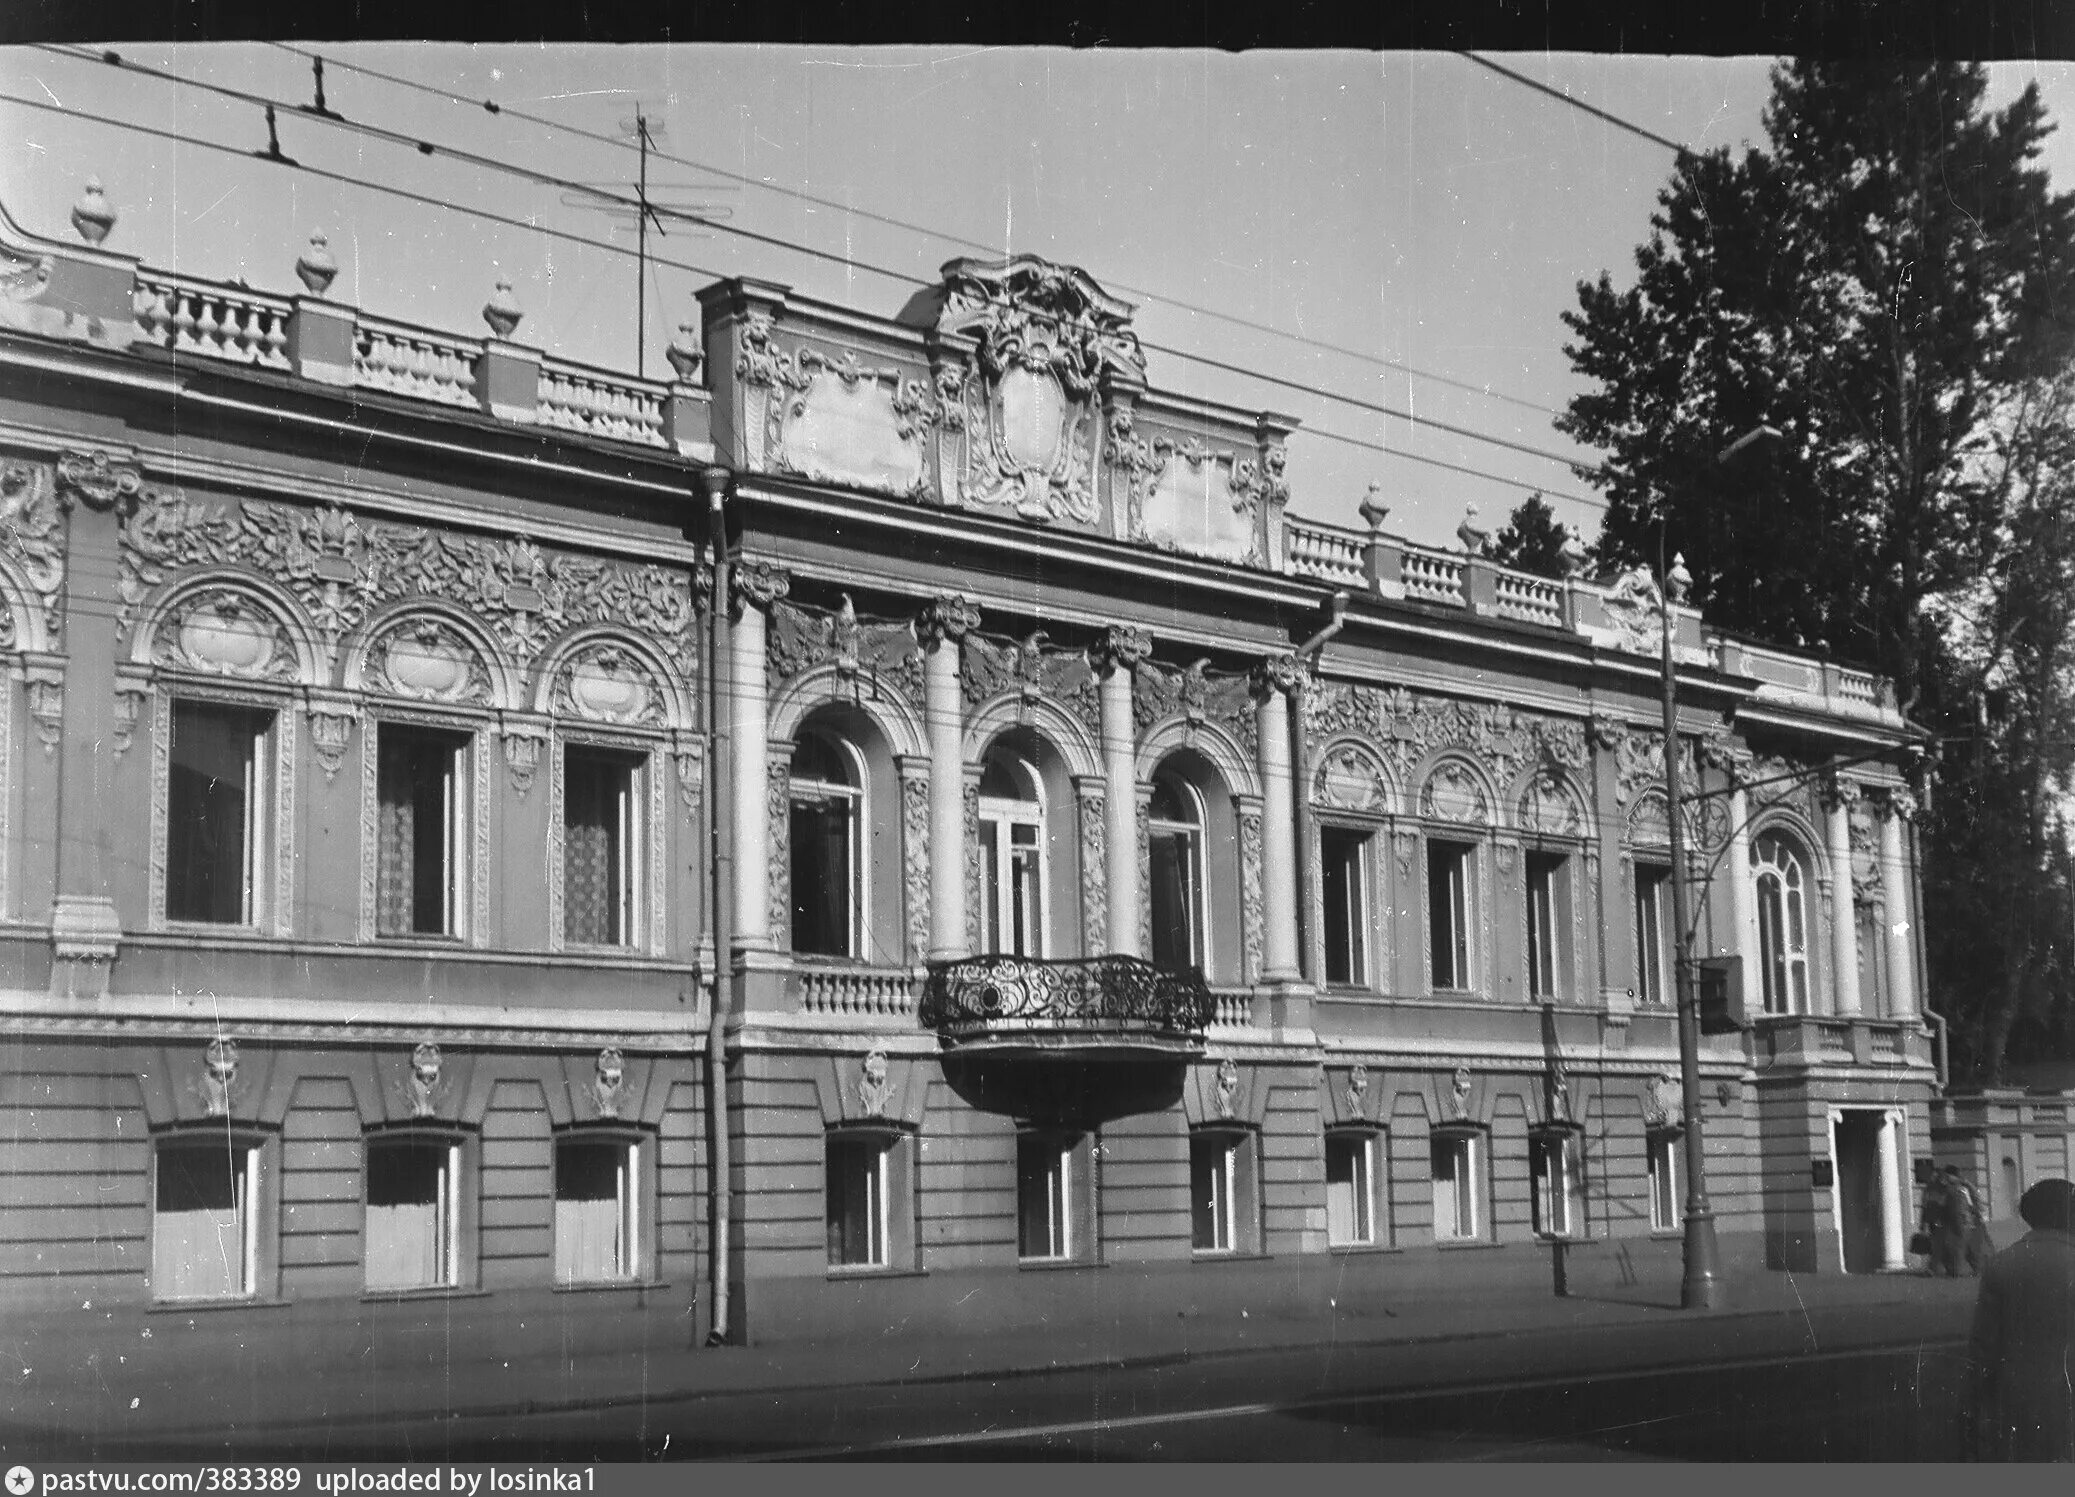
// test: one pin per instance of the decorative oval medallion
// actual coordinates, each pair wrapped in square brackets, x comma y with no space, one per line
[1033,417]
[606,684]
[426,662]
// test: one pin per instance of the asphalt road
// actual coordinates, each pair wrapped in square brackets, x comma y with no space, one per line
[1832,1389]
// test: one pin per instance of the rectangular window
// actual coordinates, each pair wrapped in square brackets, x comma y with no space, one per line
[1556,1170]
[413,1216]
[1448,914]
[217,800]
[1047,1211]
[1664,1181]
[597,1213]
[1352,1175]
[204,1240]
[1652,933]
[1343,876]
[420,843]
[1222,1207]
[1174,867]
[1548,924]
[1458,1174]
[601,841]
[859,1181]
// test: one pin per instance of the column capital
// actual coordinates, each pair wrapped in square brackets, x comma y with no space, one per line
[1121,647]
[758,584]
[947,616]
[1838,793]
[1899,802]
[1281,672]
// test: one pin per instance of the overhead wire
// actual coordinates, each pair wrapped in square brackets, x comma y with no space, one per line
[844,260]
[799,195]
[1563,98]
[606,246]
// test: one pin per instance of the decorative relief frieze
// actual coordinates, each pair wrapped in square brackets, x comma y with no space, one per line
[759,584]
[606,682]
[975,919]
[1351,778]
[832,419]
[220,632]
[1404,727]
[1095,883]
[778,803]
[428,659]
[1196,694]
[129,703]
[1253,916]
[690,758]
[342,568]
[879,655]
[32,537]
[330,734]
[915,860]
[1549,809]
[1044,337]
[990,667]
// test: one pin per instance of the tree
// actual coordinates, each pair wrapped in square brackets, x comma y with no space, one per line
[1533,540]
[1881,284]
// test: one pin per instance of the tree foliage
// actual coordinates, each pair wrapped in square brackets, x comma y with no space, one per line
[1533,539]
[1882,283]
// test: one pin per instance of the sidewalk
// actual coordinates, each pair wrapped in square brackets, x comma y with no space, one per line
[98,1402]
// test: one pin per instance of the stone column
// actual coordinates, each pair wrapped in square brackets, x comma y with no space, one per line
[1844,935]
[942,625]
[1274,683]
[758,585]
[1116,657]
[1901,902]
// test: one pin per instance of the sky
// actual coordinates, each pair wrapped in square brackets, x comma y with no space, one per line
[1425,216]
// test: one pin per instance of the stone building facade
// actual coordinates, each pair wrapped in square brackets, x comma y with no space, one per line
[1137,900]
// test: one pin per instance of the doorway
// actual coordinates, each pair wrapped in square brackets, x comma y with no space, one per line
[1868,1193]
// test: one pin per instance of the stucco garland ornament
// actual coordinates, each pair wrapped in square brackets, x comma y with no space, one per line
[219,1077]
[424,1081]
[1227,1087]
[608,1079]
[1357,1089]
[875,1084]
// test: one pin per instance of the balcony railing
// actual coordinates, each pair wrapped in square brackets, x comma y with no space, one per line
[848,991]
[1104,1002]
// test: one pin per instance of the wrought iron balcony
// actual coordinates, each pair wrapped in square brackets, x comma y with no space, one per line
[1105,1003]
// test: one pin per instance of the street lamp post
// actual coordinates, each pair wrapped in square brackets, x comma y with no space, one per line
[1700,1287]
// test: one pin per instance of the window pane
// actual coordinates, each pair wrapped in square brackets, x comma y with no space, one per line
[1455,1186]
[1210,1186]
[1042,1199]
[1169,854]
[597,812]
[1448,914]
[990,861]
[409,1213]
[857,1200]
[417,830]
[1545,874]
[1343,893]
[1664,1193]
[198,1246]
[823,876]
[211,777]
[1349,1190]
[593,1209]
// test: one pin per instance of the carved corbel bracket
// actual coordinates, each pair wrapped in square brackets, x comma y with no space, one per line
[101,478]
[523,743]
[758,584]
[45,688]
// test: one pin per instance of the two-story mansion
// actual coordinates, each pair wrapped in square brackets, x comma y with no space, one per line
[1133,899]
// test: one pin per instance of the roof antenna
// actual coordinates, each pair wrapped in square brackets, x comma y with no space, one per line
[273,150]
[317,70]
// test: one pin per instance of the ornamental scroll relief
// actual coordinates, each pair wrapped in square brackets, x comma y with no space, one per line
[1199,695]
[32,538]
[839,421]
[880,655]
[990,666]
[343,568]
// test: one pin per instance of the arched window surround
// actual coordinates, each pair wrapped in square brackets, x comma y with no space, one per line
[1786,881]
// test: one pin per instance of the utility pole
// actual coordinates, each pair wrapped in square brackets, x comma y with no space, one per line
[1700,1285]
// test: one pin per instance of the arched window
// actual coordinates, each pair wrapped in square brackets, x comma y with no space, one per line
[1012,855]
[1175,854]
[1782,924]
[828,861]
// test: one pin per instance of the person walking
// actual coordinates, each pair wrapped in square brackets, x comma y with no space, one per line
[2020,1395]
[1944,1223]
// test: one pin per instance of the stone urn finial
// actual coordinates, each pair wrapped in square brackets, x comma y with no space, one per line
[685,353]
[502,310]
[316,267]
[1372,509]
[92,215]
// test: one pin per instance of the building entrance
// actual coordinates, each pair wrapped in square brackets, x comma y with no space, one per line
[1868,1197]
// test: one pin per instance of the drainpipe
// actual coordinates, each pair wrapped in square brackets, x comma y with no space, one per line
[720,884]
[1307,824]
[1923,968]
